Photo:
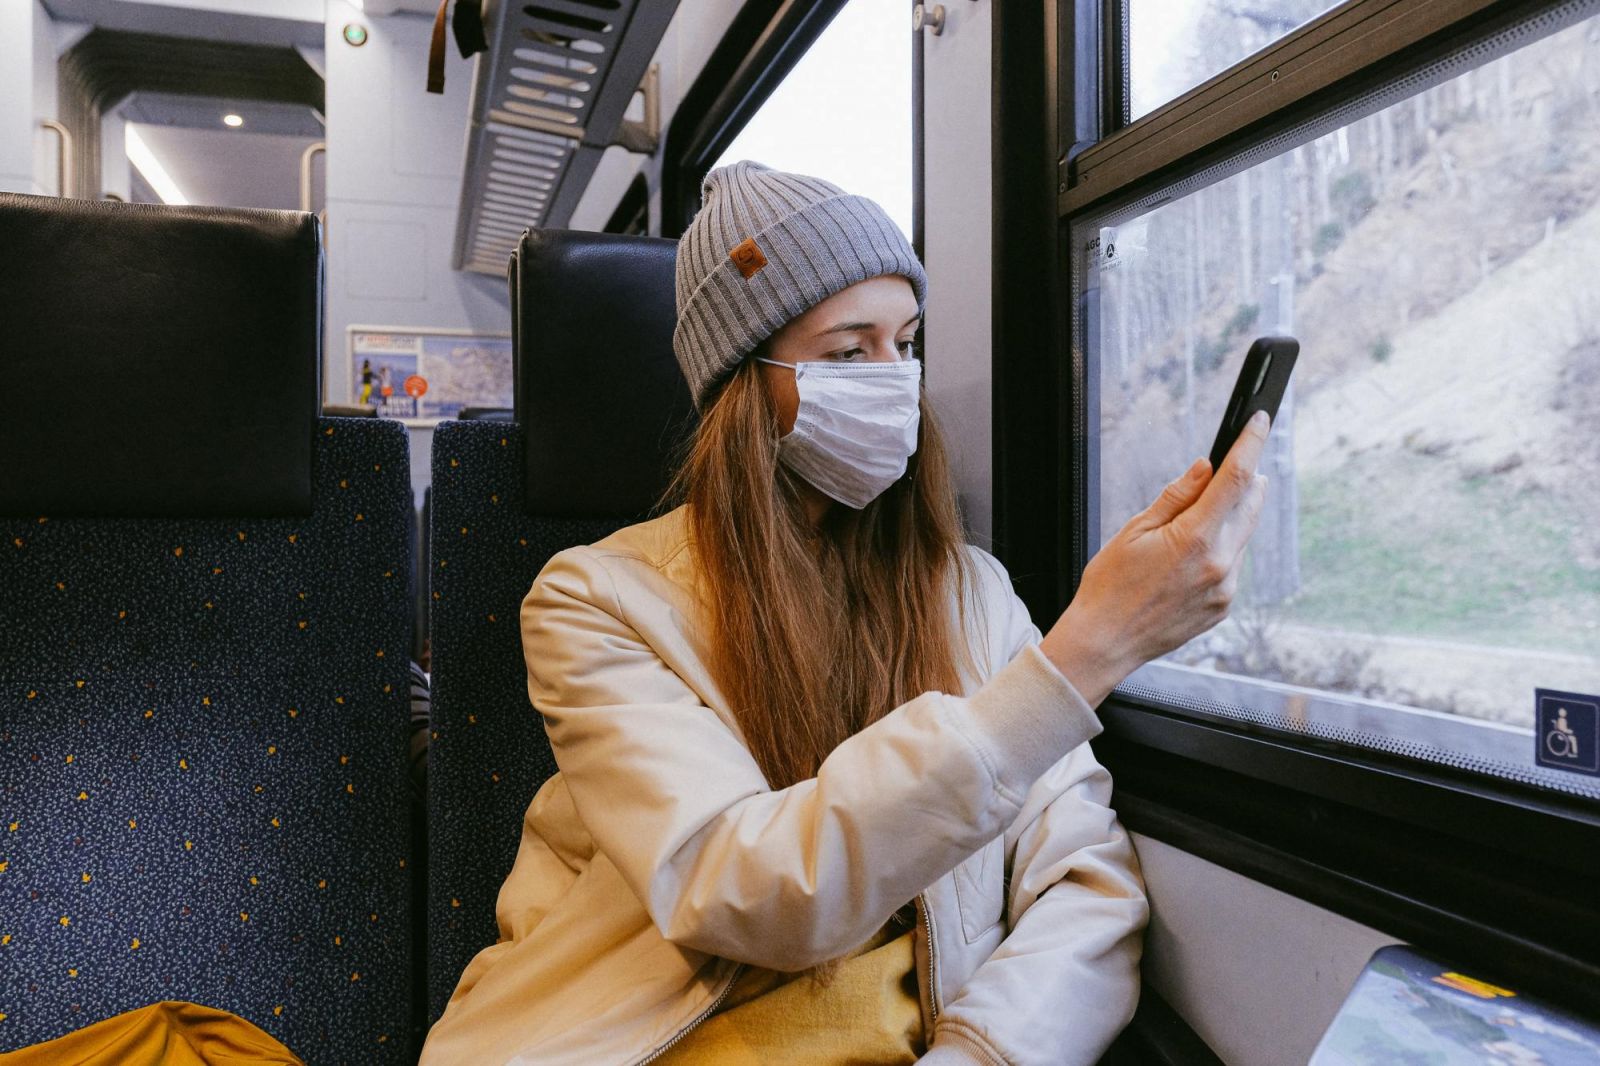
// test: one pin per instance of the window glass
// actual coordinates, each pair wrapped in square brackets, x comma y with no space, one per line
[844,112]
[632,214]
[1174,45]
[1430,550]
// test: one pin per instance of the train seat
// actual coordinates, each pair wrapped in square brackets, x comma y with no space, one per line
[600,404]
[420,650]
[203,670]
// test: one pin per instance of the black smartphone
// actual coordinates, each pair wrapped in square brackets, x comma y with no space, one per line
[1260,387]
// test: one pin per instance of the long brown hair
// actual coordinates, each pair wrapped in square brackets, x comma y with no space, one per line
[817,632]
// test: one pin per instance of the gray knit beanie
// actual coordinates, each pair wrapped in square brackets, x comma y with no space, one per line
[766,247]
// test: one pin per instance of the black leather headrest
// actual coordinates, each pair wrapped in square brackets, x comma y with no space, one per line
[599,395]
[157,361]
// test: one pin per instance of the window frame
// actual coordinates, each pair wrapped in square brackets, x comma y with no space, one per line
[1325,826]
[760,48]
[1343,52]
[634,206]
[1376,837]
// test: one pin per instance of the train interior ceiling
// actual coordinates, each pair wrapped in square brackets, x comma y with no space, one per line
[1366,807]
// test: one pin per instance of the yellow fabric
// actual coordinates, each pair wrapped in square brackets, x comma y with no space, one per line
[867,1015]
[162,1034]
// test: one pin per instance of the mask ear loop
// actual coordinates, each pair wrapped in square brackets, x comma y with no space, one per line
[774,362]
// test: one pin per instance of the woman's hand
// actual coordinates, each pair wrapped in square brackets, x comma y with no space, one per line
[1167,576]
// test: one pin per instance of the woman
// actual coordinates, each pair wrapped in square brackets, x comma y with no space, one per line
[824,793]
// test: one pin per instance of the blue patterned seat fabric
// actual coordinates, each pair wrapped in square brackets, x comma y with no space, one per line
[488,753]
[202,764]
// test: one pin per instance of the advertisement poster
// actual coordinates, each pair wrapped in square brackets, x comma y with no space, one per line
[421,375]
[1407,1008]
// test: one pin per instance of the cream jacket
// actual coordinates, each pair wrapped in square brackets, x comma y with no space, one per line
[658,861]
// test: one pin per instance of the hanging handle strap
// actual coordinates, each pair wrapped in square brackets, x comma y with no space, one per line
[436,51]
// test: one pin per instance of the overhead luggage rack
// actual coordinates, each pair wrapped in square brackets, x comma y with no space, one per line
[548,98]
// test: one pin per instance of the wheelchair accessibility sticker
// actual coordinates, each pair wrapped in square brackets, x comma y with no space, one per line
[1567,731]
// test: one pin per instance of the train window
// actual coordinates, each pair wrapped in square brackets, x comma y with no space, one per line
[1174,45]
[632,214]
[1429,556]
[843,112]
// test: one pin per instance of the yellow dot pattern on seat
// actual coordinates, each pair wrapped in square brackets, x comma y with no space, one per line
[488,753]
[173,698]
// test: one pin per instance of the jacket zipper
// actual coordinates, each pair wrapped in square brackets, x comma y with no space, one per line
[696,1020]
[933,991]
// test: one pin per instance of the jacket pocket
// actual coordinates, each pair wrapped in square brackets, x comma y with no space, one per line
[980,889]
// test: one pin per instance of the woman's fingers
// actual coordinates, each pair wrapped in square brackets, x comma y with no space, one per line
[1245,455]
[1170,574]
[1235,483]
[1239,525]
[1178,496]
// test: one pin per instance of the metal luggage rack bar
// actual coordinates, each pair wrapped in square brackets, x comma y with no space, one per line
[548,97]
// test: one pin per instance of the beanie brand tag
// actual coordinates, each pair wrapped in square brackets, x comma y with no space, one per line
[748,257]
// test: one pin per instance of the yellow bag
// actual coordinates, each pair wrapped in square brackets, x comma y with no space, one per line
[163,1034]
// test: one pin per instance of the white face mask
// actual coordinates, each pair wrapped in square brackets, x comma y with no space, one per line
[856,426]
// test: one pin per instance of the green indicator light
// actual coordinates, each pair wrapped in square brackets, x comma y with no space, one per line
[355,35]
